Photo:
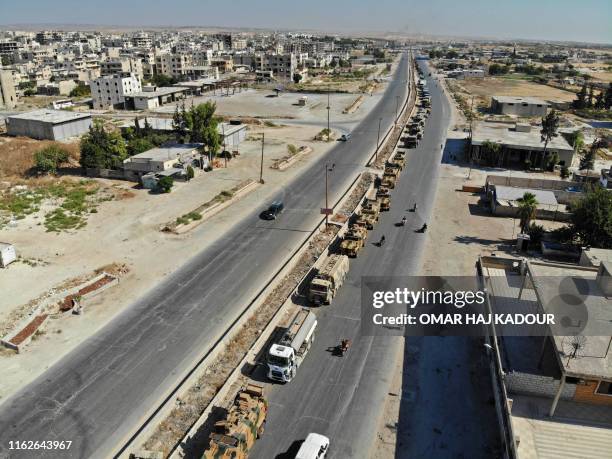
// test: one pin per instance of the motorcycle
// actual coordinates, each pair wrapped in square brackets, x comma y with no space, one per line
[422,229]
[344,346]
[403,222]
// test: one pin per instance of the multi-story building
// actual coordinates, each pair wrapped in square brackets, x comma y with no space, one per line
[109,92]
[8,47]
[8,96]
[122,65]
[173,65]
[142,40]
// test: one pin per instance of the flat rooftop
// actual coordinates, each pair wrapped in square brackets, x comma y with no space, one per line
[165,153]
[505,134]
[47,115]
[507,193]
[196,83]
[520,100]
[594,358]
[551,283]
[158,92]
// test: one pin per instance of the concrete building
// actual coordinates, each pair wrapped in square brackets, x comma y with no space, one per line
[109,92]
[58,88]
[173,65]
[7,254]
[519,106]
[152,97]
[122,65]
[48,124]
[570,359]
[8,96]
[606,178]
[519,143]
[160,159]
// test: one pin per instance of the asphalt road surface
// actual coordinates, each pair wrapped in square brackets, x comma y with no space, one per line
[343,397]
[102,390]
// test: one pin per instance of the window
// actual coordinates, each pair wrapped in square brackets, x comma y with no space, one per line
[604,388]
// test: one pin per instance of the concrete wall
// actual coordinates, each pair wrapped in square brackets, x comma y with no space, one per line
[538,385]
[43,130]
[518,108]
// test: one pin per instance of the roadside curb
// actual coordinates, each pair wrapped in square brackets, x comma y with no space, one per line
[212,210]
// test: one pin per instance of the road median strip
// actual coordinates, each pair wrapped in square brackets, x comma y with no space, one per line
[187,406]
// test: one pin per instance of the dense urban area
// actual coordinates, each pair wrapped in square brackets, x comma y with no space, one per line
[188,219]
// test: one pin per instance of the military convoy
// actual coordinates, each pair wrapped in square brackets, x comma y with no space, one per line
[234,436]
[353,241]
[328,279]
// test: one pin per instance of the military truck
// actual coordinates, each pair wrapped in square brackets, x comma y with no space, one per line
[411,141]
[353,241]
[328,279]
[384,199]
[234,436]
[369,213]
[399,158]
[395,163]
[388,180]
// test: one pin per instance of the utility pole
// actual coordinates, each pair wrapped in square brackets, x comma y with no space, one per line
[328,108]
[377,140]
[470,138]
[262,153]
[224,147]
[327,169]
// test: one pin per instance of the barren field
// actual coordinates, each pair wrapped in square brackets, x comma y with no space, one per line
[17,154]
[485,88]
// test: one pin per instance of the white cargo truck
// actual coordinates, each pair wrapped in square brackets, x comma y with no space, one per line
[285,357]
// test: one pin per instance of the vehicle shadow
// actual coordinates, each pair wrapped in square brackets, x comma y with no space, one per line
[194,446]
[291,451]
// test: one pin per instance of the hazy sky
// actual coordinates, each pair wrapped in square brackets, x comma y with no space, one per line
[579,20]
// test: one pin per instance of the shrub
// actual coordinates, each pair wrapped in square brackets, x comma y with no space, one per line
[49,159]
[165,184]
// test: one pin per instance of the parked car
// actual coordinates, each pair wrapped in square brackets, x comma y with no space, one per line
[344,137]
[272,212]
[314,447]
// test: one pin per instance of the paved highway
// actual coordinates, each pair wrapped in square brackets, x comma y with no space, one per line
[100,391]
[343,397]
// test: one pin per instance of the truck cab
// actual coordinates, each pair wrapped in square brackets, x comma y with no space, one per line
[281,363]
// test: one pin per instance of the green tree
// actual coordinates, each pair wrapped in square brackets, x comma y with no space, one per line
[81,90]
[139,145]
[591,218]
[490,152]
[581,98]
[190,173]
[163,80]
[49,159]
[575,139]
[297,78]
[600,102]
[587,160]
[527,210]
[102,149]
[165,184]
[608,97]
[199,125]
[564,173]
[550,126]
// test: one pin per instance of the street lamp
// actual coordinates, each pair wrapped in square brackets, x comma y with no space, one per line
[328,108]
[327,169]
[262,154]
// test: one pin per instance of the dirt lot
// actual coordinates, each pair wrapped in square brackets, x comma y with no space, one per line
[126,230]
[483,89]
[17,154]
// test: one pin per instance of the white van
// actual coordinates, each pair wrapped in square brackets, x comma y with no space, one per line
[314,447]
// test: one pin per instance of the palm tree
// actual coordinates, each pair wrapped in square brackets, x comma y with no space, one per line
[527,210]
